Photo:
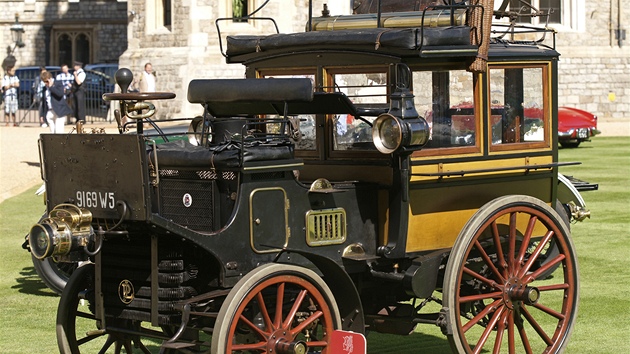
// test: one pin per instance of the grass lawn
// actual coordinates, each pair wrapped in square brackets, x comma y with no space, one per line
[603,246]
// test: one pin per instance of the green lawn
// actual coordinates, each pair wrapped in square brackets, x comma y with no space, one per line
[603,246]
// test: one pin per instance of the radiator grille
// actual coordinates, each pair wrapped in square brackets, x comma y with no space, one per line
[325,227]
[188,203]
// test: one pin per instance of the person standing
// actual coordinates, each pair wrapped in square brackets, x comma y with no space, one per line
[10,84]
[66,78]
[78,92]
[55,104]
[40,86]
[147,79]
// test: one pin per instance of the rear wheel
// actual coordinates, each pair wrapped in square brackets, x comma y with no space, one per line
[497,294]
[277,308]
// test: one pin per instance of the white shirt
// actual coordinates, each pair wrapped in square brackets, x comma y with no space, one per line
[150,80]
[80,76]
[9,80]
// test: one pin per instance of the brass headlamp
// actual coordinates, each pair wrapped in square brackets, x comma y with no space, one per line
[67,228]
[401,128]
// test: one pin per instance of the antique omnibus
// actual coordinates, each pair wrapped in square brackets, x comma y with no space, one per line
[377,171]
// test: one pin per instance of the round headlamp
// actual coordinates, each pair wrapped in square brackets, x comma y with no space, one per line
[391,133]
[67,228]
[48,238]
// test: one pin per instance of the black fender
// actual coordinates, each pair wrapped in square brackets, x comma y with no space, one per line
[342,287]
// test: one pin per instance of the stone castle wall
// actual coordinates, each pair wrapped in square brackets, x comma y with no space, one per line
[594,69]
[106,18]
[190,50]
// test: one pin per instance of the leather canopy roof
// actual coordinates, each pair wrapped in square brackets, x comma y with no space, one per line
[371,39]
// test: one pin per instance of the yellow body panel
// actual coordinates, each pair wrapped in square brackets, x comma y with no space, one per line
[438,213]
[421,173]
[436,230]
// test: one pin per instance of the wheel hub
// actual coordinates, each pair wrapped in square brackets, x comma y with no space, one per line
[281,342]
[515,290]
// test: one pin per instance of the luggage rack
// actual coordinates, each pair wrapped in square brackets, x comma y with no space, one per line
[432,31]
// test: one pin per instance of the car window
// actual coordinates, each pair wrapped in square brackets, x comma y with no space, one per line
[364,89]
[446,100]
[306,122]
[517,106]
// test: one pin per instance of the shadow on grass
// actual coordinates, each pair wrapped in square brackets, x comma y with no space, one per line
[30,283]
[32,164]
[581,147]
[390,343]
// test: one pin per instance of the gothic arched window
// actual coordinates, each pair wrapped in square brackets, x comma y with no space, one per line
[82,45]
[72,45]
[64,50]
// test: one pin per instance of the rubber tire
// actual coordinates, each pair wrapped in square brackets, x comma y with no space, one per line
[50,273]
[68,304]
[247,283]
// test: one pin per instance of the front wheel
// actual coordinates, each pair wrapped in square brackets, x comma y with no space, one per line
[79,331]
[497,291]
[277,308]
[54,274]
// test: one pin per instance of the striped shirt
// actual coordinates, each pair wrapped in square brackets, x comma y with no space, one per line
[65,78]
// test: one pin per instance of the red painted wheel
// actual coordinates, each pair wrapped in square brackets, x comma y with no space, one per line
[277,308]
[498,294]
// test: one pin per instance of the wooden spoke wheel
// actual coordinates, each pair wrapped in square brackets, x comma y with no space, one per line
[498,295]
[79,331]
[277,308]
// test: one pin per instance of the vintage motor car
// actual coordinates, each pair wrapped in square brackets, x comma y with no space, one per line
[339,188]
[575,126]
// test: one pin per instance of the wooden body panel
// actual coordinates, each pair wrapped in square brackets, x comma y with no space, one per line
[438,213]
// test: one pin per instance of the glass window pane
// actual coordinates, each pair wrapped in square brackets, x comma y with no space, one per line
[306,122]
[517,105]
[65,50]
[367,90]
[239,9]
[519,7]
[554,8]
[83,48]
[167,18]
[533,104]
[446,100]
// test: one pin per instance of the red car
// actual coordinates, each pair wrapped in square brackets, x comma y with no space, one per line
[575,126]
